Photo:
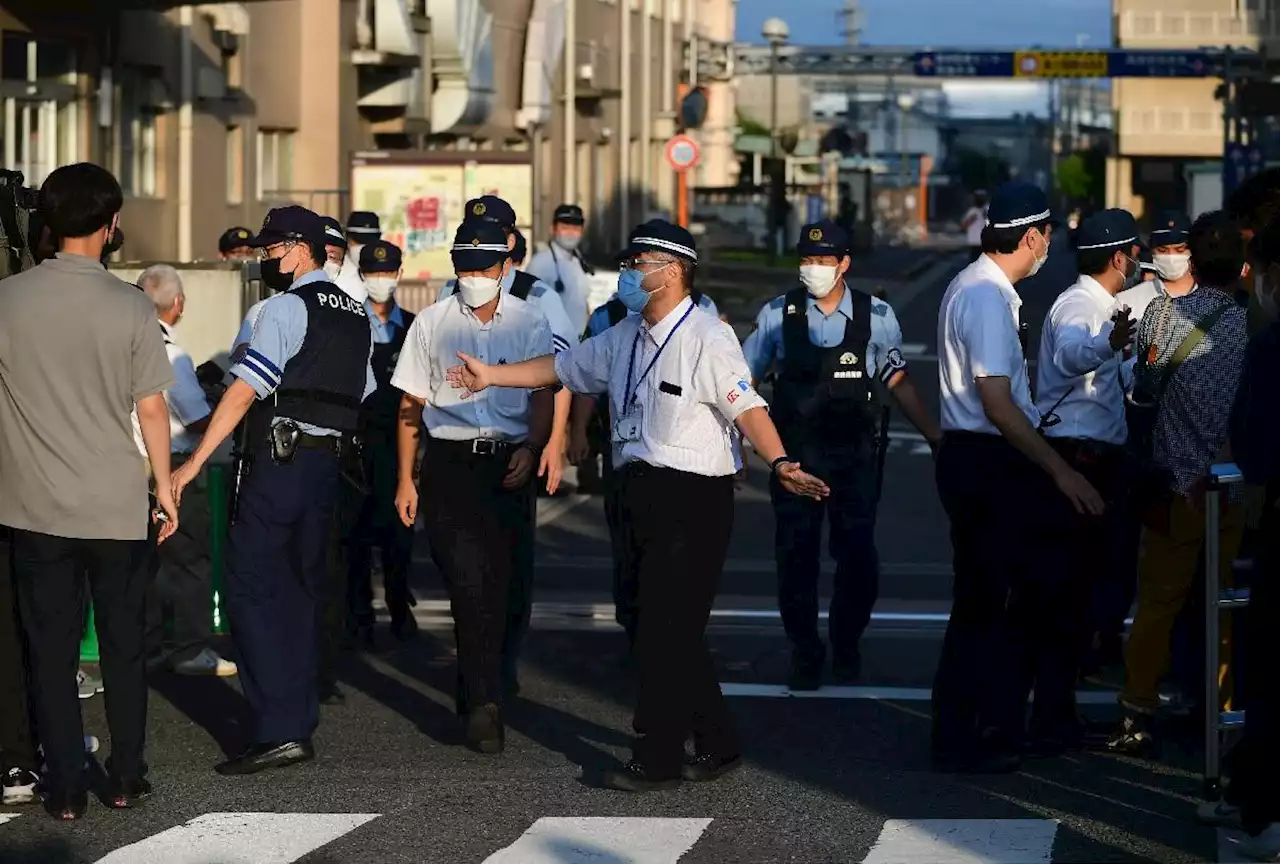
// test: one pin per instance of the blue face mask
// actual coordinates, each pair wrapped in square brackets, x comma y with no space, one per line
[631,290]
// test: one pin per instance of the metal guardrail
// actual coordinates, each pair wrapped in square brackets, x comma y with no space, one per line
[1217,600]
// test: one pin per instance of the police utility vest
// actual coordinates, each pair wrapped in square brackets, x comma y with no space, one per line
[383,405]
[823,395]
[324,383]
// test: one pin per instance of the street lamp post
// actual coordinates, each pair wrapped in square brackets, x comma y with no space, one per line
[905,103]
[776,33]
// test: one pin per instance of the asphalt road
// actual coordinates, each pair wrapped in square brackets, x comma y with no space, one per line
[840,777]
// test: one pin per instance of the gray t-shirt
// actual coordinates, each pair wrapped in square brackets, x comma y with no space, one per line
[78,348]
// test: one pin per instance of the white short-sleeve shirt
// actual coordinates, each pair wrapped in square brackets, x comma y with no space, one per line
[186,400]
[687,402]
[978,326]
[516,332]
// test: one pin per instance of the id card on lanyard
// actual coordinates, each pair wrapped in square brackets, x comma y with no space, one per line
[627,427]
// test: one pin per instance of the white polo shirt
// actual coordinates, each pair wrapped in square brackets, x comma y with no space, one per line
[688,399]
[516,332]
[1078,366]
[978,328]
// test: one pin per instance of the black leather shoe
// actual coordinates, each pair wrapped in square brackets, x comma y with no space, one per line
[633,777]
[404,626]
[708,767]
[484,730]
[124,794]
[260,757]
[67,806]
[806,675]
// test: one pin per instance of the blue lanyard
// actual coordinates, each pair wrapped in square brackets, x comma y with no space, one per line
[631,362]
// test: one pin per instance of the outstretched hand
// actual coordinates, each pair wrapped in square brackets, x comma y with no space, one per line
[470,375]
[800,482]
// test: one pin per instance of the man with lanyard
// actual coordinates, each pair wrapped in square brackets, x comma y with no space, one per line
[1080,392]
[477,466]
[832,346]
[562,266]
[362,227]
[301,381]
[590,435]
[1171,261]
[377,523]
[995,476]
[678,385]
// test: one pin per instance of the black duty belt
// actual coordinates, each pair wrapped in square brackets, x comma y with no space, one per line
[332,443]
[477,446]
[1087,449]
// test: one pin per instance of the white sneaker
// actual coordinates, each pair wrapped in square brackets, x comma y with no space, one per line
[1264,847]
[1218,813]
[90,744]
[207,662]
[88,685]
[19,787]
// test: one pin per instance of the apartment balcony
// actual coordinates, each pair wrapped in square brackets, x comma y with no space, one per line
[1159,29]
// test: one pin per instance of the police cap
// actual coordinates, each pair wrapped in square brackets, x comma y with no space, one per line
[290,223]
[380,256]
[1017,205]
[234,238]
[569,214]
[823,238]
[364,223]
[478,245]
[333,235]
[1170,228]
[490,208]
[1113,229]
[659,235]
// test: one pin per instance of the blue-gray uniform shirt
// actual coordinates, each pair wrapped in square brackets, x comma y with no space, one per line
[884,350]
[599,320]
[543,298]
[277,338]
[384,333]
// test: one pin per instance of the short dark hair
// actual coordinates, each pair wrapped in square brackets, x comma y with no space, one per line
[319,254]
[77,200]
[1094,262]
[1256,201]
[1004,241]
[1217,250]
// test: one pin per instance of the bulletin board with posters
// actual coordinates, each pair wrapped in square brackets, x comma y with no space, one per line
[419,199]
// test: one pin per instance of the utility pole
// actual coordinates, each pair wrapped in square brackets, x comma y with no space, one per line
[852,33]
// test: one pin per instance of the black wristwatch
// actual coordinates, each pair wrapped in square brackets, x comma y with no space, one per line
[779,462]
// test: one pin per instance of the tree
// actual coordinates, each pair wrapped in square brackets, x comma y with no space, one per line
[1075,181]
[751,126]
[978,170]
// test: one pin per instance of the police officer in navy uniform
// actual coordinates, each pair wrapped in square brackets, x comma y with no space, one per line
[377,523]
[834,349]
[301,381]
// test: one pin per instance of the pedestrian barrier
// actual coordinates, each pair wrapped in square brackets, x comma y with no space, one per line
[1217,600]
[216,476]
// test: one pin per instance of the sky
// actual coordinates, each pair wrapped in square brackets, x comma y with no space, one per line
[938,24]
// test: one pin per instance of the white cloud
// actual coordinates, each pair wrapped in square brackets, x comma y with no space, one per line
[997,98]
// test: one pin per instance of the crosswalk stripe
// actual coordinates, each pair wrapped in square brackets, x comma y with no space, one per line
[591,840]
[7,817]
[240,838]
[887,694]
[965,841]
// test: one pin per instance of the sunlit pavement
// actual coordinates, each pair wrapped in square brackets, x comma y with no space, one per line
[842,777]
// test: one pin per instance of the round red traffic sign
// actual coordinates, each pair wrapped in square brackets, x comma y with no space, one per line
[682,153]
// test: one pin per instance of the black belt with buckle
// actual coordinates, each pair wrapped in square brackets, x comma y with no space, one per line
[477,446]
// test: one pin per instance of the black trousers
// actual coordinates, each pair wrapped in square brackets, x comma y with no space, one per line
[677,535]
[851,510]
[17,729]
[378,525]
[49,572]
[625,589]
[481,534]
[1003,596]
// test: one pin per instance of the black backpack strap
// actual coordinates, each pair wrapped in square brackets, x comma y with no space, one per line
[795,326]
[617,311]
[522,284]
[696,296]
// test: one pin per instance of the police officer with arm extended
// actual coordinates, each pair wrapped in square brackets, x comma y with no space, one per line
[994,471]
[301,381]
[831,346]
[677,384]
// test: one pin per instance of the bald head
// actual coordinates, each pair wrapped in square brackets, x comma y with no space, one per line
[163,285]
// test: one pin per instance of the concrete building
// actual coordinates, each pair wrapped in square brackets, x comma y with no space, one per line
[1170,130]
[212,113]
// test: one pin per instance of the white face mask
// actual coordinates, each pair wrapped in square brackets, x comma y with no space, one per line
[332,269]
[1172,267]
[353,250]
[1040,260]
[478,290]
[568,242]
[818,279]
[380,287]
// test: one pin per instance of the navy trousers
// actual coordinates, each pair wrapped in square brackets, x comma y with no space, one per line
[275,583]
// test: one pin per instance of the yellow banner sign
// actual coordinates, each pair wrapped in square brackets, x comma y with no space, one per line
[1056,64]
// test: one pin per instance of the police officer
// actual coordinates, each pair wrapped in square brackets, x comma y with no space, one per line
[362,227]
[335,247]
[232,245]
[832,346]
[677,384]
[994,472]
[478,464]
[301,381]
[562,266]
[1080,397]
[1170,260]
[590,436]
[377,523]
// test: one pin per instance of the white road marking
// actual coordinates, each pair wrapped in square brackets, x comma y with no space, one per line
[8,817]
[557,507]
[592,840]
[913,349]
[241,838]
[876,694]
[964,841]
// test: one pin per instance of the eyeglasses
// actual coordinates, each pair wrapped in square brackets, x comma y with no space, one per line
[266,252]
[647,266]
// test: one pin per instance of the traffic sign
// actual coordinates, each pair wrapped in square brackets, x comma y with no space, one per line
[1064,64]
[682,153]
[1241,162]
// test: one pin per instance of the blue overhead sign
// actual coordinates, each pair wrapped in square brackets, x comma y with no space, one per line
[1064,64]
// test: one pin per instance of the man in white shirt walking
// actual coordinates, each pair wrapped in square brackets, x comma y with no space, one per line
[561,264]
